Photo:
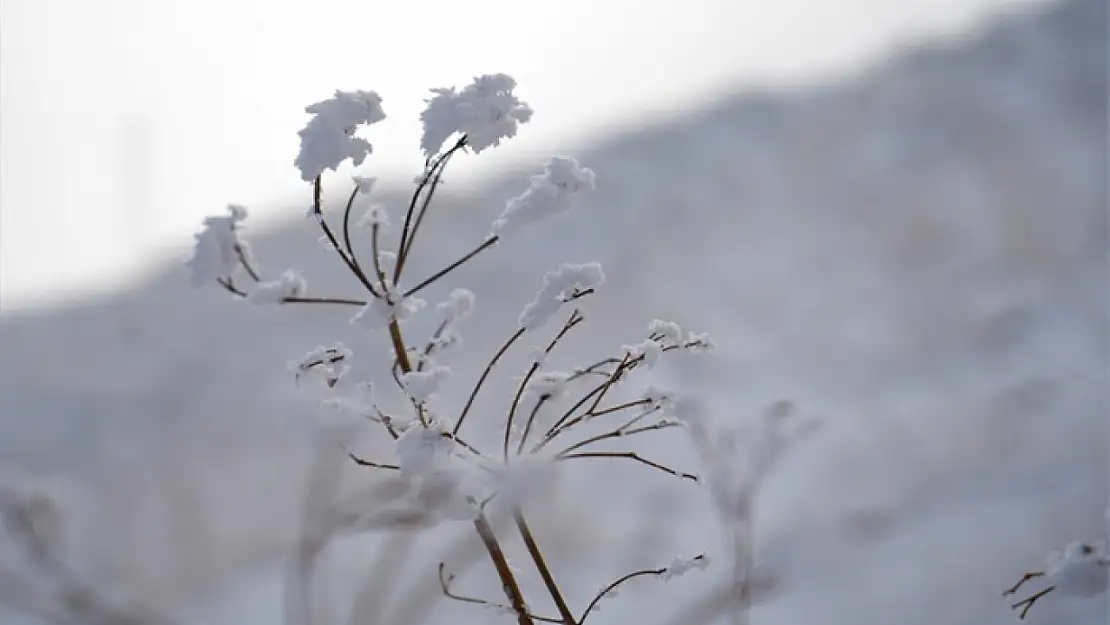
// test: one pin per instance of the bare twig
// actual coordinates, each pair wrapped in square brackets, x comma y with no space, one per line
[630,455]
[445,580]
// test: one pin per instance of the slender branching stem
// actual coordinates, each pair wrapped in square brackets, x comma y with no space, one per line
[485,245]
[318,211]
[445,580]
[630,455]
[234,290]
[485,374]
[575,319]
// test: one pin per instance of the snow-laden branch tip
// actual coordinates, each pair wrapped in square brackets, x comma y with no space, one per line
[558,287]
[375,216]
[420,385]
[290,284]
[680,566]
[217,250]
[1080,569]
[364,184]
[668,331]
[486,111]
[329,137]
[551,193]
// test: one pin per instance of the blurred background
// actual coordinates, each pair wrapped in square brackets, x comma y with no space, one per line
[890,213]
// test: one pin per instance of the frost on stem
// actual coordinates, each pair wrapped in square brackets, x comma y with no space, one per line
[558,287]
[375,216]
[217,250]
[329,137]
[290,284]
[364,184]
[326,364]
[551,193]
[486,111]
[680,566]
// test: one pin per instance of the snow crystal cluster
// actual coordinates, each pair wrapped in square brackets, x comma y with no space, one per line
[329,138]
[216,253]
[559,287]
[549,194]
[485,111]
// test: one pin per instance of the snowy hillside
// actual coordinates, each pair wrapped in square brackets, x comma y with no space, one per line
[917,254]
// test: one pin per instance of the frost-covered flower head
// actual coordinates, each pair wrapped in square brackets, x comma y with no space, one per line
[551,193]
[486,111]
[329,137]
[216,253]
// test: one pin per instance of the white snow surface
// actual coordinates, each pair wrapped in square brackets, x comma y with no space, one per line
[916,254]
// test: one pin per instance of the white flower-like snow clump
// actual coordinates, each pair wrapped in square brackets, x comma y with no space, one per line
[1081,569]
[558,286]
[665,330]
[551,193]
[420,385]
[650,350]
[329,137]
[290,284]
[486,111]
[217,248]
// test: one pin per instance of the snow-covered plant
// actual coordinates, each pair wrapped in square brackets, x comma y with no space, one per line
[1080,569]
[443,477]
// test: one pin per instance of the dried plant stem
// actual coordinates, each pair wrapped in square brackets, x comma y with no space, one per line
[512,588]
[541,566]
[481,523]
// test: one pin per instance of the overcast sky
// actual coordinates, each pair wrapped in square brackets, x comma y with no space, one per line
[124,122]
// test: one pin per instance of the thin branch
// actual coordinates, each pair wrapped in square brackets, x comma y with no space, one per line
[504,571]
[604,591]
[251,271]
[441,166]
[575,319]
[1028,576]
[318,212]
[445,586]
[377,465]
[231,288]
[403,245]
[347,225]
[630,455]
[485,374]
[621,432]
[1028,602]
[453,266]
[541,566]
[571,322]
